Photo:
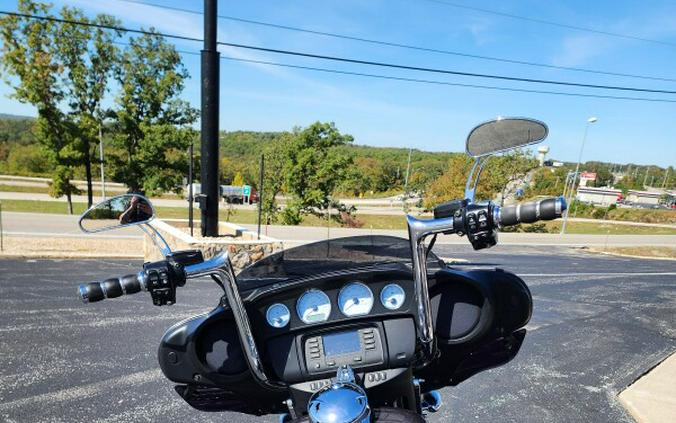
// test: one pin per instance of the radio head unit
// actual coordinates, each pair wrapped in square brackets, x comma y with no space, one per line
[355,347]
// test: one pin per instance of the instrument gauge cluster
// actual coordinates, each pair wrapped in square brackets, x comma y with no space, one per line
[353,299]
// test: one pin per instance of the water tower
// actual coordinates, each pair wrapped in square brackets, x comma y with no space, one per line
[542,152]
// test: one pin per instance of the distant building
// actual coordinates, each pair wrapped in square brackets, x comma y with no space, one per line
[606,196]
[586,177]
[599,196]
[644,197]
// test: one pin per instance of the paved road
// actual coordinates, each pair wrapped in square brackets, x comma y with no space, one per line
[34,224]
[599,323]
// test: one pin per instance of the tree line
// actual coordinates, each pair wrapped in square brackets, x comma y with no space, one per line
[66,72]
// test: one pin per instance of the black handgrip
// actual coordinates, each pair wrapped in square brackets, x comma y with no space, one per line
[549,209]
[110,288]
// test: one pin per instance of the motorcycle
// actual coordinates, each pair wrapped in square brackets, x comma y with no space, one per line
[356,329]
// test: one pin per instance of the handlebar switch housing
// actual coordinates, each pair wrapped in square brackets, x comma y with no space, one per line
[479,226]
[161,279]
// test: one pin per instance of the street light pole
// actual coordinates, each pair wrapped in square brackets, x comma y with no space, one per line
[577,170]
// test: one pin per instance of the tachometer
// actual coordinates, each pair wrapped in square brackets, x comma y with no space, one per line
[392,296]
[355,299]
[313,306]
[278,315]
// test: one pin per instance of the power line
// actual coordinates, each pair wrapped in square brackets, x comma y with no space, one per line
[444,71]
[428,81]
[433,82]
[346,60]
[550,23]
[404,46]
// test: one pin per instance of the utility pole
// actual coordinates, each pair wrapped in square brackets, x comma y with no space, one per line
[103,179]
[260,194]
[209,136]
[408,170]
[190,191]
[645,180]
[664,182]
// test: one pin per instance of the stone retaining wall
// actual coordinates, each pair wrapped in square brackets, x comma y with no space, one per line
[243,246]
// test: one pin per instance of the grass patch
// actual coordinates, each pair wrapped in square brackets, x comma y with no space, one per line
[591,228]
[36,206]
[17,188]
[657,252]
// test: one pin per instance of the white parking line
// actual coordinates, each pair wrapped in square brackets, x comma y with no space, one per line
[86,391]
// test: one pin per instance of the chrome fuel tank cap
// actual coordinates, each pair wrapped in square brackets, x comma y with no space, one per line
[342,402]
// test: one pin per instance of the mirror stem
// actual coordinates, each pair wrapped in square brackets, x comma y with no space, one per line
[157,238]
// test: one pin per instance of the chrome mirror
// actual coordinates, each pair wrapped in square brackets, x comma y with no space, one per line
[504,134]
[117,212]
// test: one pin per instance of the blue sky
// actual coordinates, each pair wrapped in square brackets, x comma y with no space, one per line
[435,118]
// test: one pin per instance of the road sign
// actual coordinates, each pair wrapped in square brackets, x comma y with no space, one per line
[246,190]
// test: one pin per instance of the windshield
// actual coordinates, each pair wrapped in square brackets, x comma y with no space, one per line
[326,256]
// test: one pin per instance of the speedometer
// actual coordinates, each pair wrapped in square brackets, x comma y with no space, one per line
[313,306]
[392,296]
[355,299]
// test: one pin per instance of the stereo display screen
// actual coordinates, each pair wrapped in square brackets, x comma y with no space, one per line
[341,343]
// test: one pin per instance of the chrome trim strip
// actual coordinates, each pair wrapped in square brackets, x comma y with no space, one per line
[496,216]
[124,290]
[220,267]
[103,289]
[83,293]
[518,212]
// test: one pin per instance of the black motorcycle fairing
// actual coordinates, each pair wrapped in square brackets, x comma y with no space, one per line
[483,338]
[204,355]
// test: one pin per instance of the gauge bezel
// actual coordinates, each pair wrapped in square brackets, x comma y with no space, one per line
[267,316]
[347,285]
[309,291]
[384,303]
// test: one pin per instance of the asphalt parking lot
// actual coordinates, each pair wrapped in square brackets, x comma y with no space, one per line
[599,323]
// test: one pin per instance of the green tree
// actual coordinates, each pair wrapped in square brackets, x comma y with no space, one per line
[152,123]
[313,169]
[88,55]
[276,153]
[29,55]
